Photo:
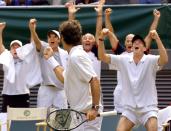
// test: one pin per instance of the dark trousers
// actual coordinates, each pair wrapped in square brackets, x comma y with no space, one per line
[15,101]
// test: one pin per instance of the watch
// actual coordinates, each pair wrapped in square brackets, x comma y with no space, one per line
[95,107]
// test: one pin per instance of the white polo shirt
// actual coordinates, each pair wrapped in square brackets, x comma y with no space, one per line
[48,75]
[138,80]
[96,63]
[118,103]
[77,76]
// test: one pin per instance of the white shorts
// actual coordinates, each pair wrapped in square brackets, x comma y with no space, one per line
[51,96]
[94,125]
[139,117]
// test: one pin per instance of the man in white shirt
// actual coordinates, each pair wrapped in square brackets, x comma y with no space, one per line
[117,48]
[138,73]
[81,83]
[15,91]
[51,91]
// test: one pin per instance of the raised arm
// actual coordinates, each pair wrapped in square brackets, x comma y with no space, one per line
[2,26]
[99,21]
[153,26]
[48,55]
[71,10]
[101,48]
[163,59]
[112,37]
[34,36]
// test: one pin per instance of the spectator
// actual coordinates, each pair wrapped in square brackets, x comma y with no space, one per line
[138,73]
[51,91]
[128,49]
[149,1]
[60,2]
[108,2]
[85,2]
[56,2]
[26,2]
[17,75]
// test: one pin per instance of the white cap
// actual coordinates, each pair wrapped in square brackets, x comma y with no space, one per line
[16,41]
[55,32]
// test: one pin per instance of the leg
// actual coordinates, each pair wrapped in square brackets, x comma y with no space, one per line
[59,99]
[151,124]
[5,102]
[125,124]
[44,97]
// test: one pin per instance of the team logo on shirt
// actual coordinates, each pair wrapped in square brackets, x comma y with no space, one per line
[27,113]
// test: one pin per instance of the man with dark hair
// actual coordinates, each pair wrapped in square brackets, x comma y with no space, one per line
[51,91]
[138,73]
[81,83]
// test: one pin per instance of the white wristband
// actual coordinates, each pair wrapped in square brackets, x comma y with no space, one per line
[52,62]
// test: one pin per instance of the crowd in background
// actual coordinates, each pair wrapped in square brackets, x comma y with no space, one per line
[62,2]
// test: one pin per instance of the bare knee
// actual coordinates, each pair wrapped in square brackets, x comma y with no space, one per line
[124,124]
[151,124]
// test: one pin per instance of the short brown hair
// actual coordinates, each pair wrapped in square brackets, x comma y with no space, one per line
[71,32]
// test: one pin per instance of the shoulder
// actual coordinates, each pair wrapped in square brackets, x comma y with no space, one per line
[79,55]
[62,50]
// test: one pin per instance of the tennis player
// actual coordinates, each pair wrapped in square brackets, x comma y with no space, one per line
[81,83]
[138,73]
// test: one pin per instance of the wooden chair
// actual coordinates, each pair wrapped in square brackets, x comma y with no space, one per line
[25,114]
[43,123]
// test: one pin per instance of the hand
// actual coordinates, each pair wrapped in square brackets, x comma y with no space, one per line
[99,7]
[32,24]
[108,11]
[104,32]
[154,34]
[91,114]
[2,26]
[48,52]
[156,13]
[71,7]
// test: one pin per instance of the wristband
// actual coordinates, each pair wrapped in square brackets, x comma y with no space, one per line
[100,39]
[52,62]
[95,107]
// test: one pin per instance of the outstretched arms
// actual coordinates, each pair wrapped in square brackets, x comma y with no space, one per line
[71,10]
[2,26]
[112,37]
[153,26]
[163,59]
[48,55]
[101,48]
[34,36]
[99,21]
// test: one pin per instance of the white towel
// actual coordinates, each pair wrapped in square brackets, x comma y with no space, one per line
[29,54]
[7,60]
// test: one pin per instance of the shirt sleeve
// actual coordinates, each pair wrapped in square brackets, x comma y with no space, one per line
[115,61]
[154,62]
[84,67]
[43,46]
